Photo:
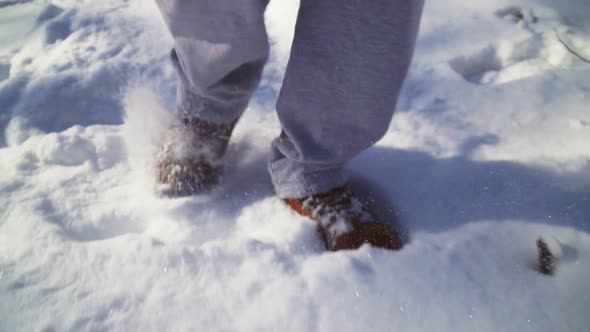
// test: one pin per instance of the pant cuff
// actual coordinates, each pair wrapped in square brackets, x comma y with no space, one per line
[294,179]
[190,103]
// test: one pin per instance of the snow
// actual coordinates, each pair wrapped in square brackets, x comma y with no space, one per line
[65,150]
[487,152]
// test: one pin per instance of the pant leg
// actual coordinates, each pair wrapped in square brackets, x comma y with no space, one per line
[220,48]
[348,62]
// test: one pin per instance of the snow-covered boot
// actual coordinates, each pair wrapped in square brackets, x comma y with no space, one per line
[344,222]
[191,157]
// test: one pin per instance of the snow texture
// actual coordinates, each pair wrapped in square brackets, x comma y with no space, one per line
[488,151]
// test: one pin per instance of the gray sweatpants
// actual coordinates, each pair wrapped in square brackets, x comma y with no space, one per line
[348,61]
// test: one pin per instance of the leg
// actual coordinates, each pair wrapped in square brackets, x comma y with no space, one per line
[220,48]
[348,61]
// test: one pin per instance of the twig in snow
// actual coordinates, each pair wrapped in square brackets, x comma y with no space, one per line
[546,258]
[572,51]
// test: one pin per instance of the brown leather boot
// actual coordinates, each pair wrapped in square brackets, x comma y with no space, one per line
[191,158]
[344,222]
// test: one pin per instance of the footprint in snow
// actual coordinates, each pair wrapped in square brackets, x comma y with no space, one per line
[509,60]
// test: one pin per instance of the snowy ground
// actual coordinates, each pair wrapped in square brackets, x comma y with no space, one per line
[488,150]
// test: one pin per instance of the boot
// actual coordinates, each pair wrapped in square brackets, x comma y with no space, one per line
[344,222]
[191,158]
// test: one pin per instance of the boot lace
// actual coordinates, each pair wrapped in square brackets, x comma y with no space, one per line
[335,211]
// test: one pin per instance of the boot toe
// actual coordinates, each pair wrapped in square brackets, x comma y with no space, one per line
[376,234]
